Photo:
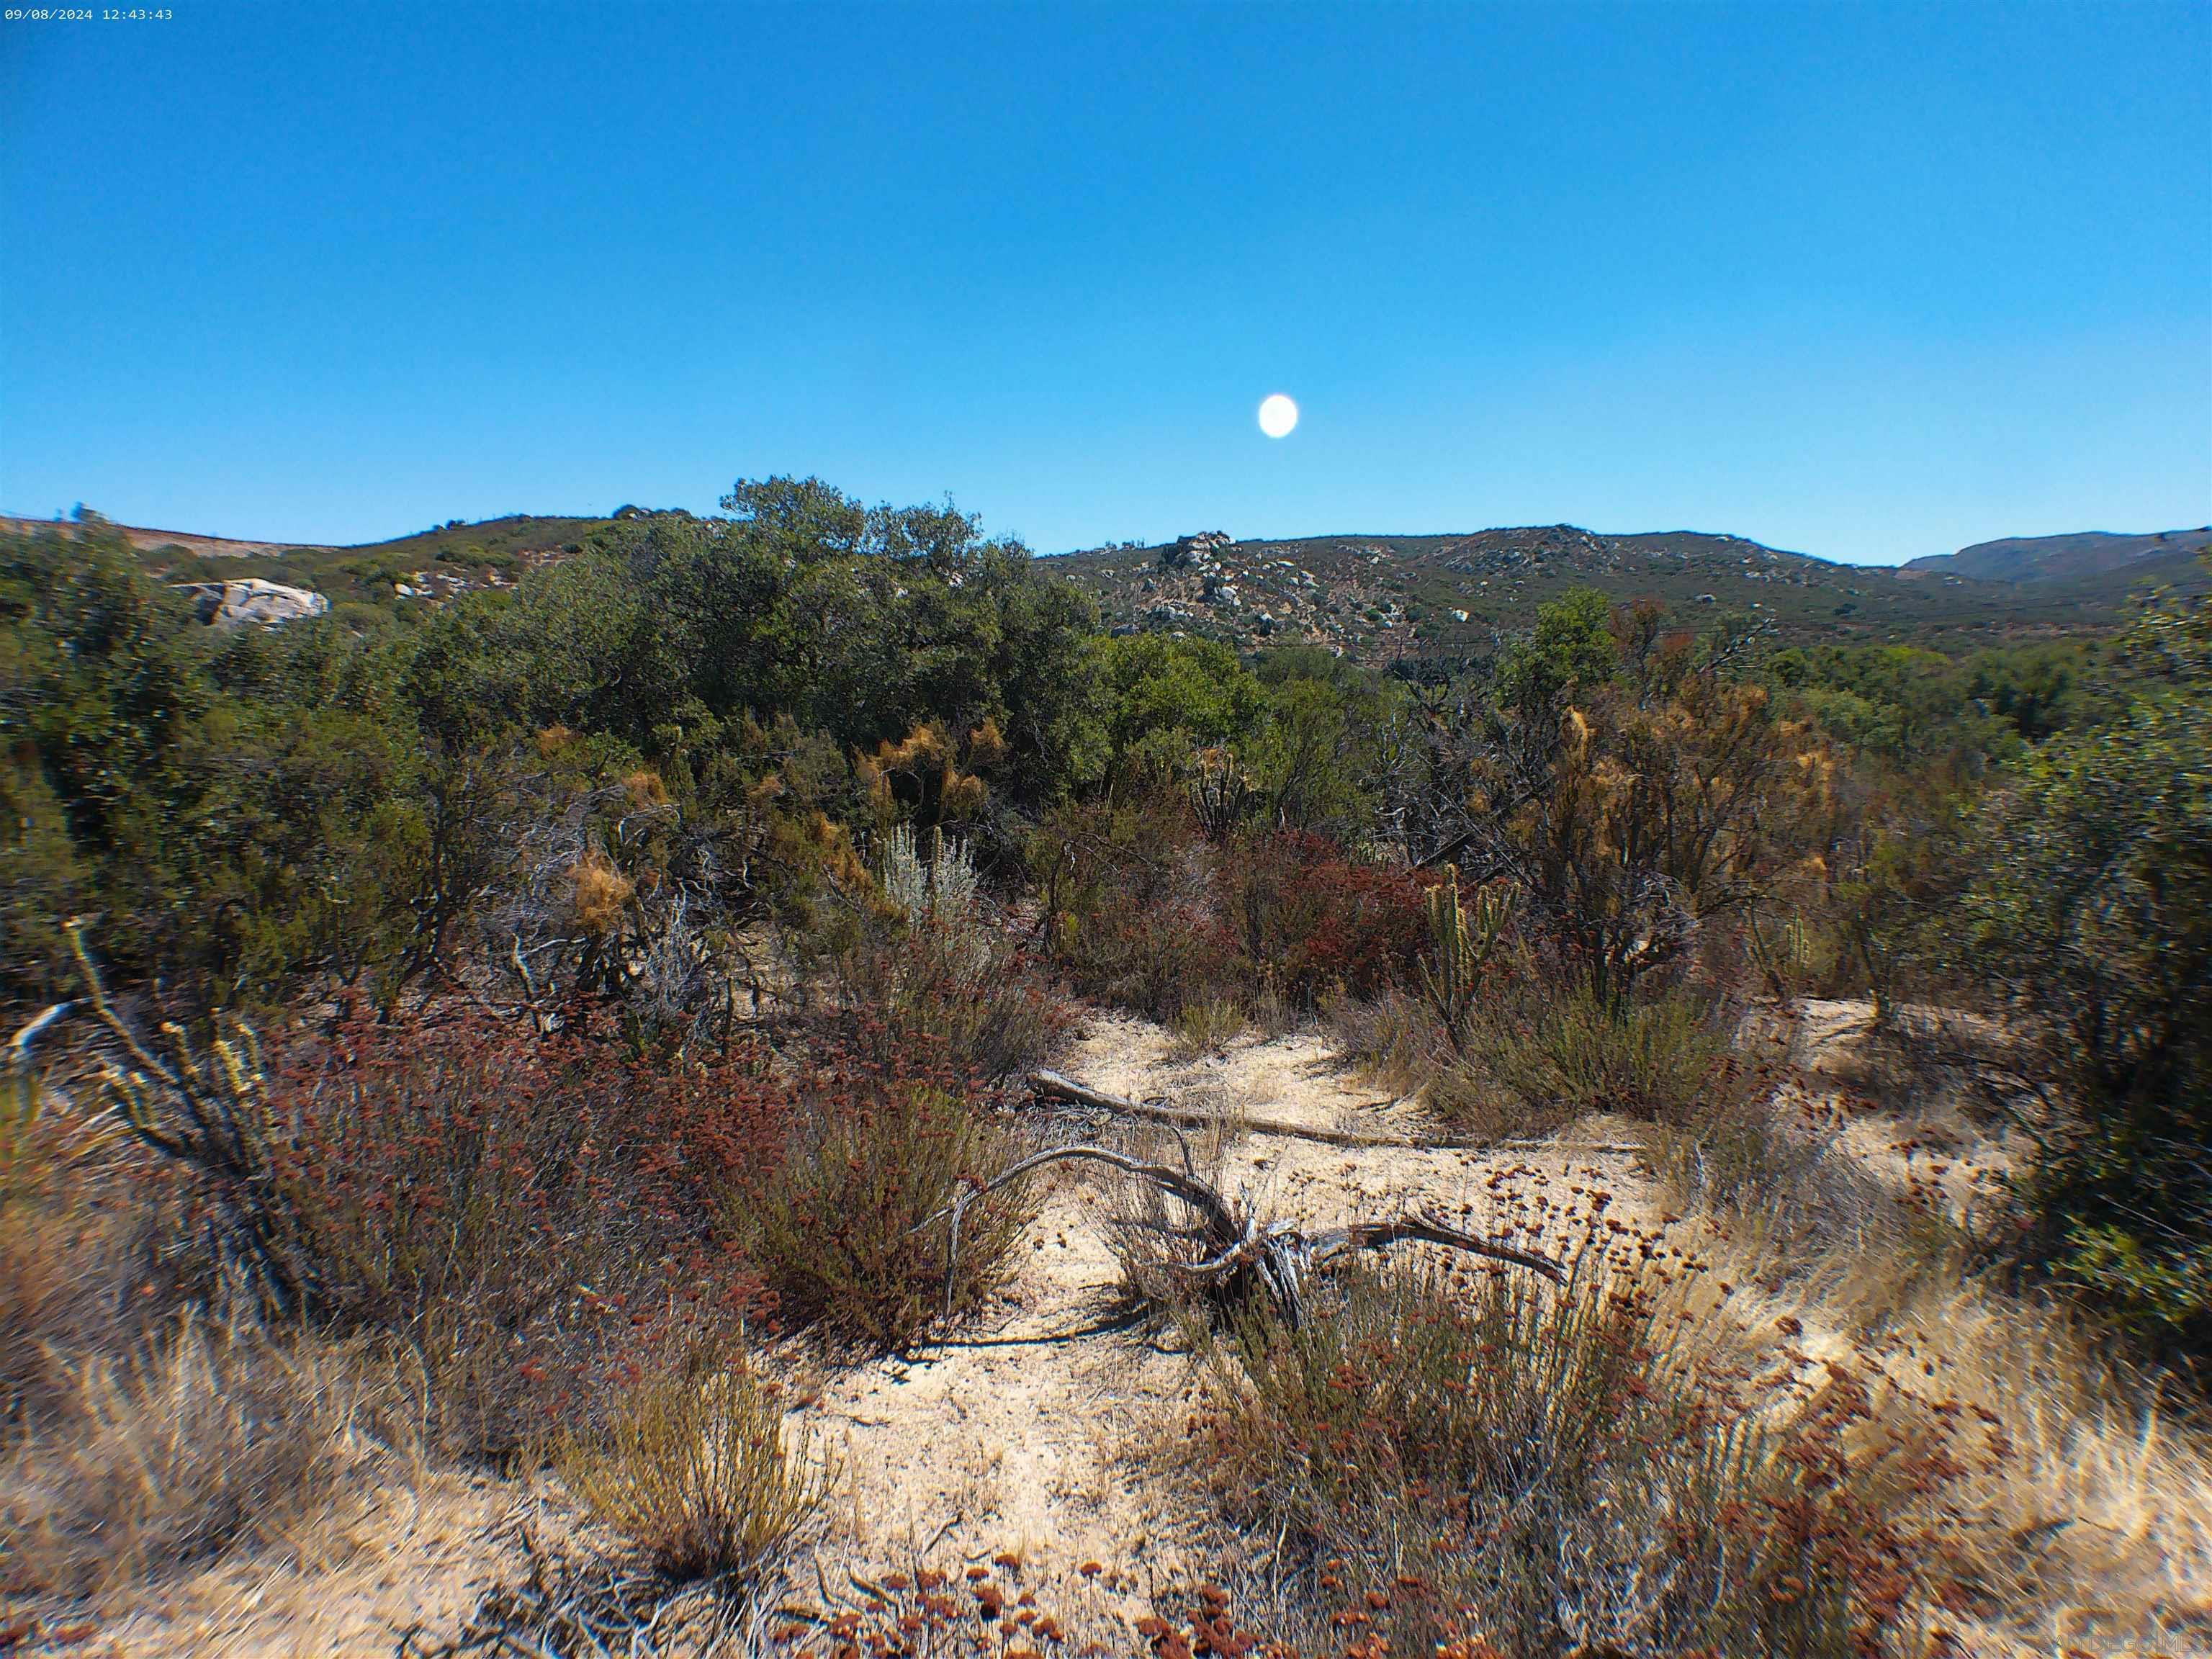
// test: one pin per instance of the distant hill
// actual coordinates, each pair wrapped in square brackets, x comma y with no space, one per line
[209,546]
[428,565]
[2086,556]
[1375,598]
[1383,598]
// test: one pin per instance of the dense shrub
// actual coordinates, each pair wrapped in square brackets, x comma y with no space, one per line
[1630,800]
[2091,915]
[946,974]
[851,1232]
[1131,909]
[518,1213]
[1589,1469]
[1310,920]
[1146,913]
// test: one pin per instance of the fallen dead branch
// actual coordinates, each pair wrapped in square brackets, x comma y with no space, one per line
[1239,1253]
[1053,1086]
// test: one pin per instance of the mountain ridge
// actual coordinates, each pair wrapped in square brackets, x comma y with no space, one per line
[1389,597]
[2085,553]
[1376,597]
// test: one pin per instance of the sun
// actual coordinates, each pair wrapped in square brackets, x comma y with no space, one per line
[1278,415]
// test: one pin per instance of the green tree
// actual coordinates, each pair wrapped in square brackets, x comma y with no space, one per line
[2091,917]
[1167,698]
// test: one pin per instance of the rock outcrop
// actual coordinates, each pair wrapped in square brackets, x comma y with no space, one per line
[1193,549]
[252,599]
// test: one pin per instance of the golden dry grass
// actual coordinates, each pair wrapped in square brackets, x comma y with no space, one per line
[2091,1531]
[159,1461]
[698,1471]
[2094,1528]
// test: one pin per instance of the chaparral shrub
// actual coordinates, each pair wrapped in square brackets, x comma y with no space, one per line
[1479,1462]
[1309,920]
[518,1213]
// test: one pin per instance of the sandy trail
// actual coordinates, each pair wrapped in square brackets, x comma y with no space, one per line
[1032,1432]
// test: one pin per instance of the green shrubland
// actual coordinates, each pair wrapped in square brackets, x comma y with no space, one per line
[503,1003]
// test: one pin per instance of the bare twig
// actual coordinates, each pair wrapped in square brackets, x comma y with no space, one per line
[1052,1085]
[1242,1253]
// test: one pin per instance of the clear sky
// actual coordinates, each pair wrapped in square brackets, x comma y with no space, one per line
[1856,281]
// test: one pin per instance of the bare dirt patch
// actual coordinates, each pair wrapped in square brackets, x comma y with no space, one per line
[1036,1432]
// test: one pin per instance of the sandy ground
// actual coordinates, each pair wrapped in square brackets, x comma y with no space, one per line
[1040,1430]
[408,1555]
[1033,1433]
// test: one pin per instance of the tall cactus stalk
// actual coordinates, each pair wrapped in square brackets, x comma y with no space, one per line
[1461,941]
[211,1112]
[1221,794]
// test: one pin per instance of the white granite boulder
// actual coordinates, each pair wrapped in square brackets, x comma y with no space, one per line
[252,599]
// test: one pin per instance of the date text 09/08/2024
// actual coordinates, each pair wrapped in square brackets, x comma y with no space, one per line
[87,15]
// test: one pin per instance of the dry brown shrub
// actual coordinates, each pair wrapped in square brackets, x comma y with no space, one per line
[850,1233]
[599,893]
[695,1469]
[1602,1467]
[645,789]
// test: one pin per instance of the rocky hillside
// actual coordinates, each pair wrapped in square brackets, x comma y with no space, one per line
[1383,597]
[1376,597]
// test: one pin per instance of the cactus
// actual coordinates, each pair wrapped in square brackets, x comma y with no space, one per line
[1221,794]
[209,1111]
[1783,958]
[1462,942]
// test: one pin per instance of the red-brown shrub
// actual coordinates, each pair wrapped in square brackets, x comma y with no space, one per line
[520,1215]
[1308,919]
[1146,914]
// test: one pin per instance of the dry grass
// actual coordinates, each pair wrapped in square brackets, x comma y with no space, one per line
[2092,1529]
[1565,1051]
[1398,1041]
[138,1438]
[1206,1028]
[1531,1060]
[696,1470]
[65,1238]
[162,1460]
[2098,1527]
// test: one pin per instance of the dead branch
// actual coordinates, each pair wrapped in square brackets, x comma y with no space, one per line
[1241,1254]
[1053,1086]
[1377,1234]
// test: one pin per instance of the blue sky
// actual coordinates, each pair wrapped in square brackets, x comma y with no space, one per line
[1858,282]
